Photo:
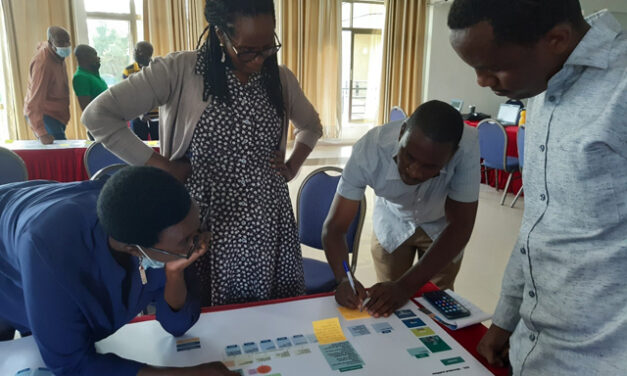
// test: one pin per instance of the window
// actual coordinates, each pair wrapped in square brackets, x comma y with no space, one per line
[4,65]
[362,55]
[112,27]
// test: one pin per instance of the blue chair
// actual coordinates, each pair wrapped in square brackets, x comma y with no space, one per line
[493,148]
[520,142]
[98,157]
[12,167]
[397,113]
[313,202]
[106,172]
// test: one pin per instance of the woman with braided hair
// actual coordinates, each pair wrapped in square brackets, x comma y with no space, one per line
[223,130]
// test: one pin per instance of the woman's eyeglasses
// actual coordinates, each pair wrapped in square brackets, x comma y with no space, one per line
[246,56]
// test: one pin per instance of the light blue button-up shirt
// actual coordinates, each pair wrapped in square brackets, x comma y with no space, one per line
[565,287]
[400,208]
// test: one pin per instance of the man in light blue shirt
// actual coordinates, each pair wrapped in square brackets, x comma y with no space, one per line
[425,173]
[562,309]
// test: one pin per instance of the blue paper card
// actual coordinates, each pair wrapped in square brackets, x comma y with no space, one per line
[414,323]
[358,330]
[267,345]
[299,339]
[404,313]
[233,350]
[250,347]
[283,342]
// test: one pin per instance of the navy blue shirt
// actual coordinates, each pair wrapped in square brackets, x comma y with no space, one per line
[60,280]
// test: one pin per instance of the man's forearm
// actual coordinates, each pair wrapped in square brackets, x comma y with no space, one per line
[444,250]
[336,250]
[175,291]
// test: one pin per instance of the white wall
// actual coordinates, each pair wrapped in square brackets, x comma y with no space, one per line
[617,7]
[446,76]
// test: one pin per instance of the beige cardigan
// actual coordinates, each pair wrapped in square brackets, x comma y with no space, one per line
[172,84]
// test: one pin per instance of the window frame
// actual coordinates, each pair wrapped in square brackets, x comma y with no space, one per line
[354,31]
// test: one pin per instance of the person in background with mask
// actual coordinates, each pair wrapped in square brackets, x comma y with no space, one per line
[148,123]
[47,102]
[80,260]
[87,82]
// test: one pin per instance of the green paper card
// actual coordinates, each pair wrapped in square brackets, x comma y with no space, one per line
[418,352]
[435,344]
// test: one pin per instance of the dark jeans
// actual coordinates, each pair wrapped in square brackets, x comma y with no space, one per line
[7,332]
[145,128]
[55,128]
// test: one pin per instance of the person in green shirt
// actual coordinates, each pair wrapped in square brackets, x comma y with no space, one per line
[87,82]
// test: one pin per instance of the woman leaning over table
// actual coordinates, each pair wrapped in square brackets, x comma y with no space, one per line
[224,116]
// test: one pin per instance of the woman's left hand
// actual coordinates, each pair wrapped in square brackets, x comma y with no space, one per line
[281,166]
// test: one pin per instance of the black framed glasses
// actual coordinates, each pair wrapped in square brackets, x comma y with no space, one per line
[246,56]
[196,243]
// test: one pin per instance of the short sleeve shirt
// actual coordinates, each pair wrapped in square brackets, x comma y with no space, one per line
[400,208]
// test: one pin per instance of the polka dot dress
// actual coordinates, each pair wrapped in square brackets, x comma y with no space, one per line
[255,251]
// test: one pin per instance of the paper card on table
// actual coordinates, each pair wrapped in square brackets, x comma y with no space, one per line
[267,345]
[328,331]
[413,323]
[418,352]
[250,347]
[312,338]
[342,356]
[299,339]
[435,344]
[353,314]
[283,342]
[184,344]
[233,350]
[423,332]
[302,351]
[358,330]
[404,313]
[382,327]
[451,361]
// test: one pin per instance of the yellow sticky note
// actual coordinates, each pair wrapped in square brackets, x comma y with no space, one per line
[328,331]
[353,314]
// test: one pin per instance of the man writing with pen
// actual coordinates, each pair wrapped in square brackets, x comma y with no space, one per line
[425,173]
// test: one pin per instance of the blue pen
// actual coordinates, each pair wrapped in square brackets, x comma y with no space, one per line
[350,277]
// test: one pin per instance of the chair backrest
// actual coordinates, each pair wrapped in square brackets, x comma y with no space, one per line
[520,143]
[12,167]
[106,172]
[493,142]
[313,202]
[98,157]
[397,113]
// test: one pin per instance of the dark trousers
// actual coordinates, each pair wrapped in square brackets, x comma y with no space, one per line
[145,128]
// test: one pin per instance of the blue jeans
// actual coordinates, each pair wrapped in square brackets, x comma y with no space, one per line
[55,128]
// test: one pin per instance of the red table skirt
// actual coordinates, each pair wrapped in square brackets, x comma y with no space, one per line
[512,151]
[467,337]
[63,165]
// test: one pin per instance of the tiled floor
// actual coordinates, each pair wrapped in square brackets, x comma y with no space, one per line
[486,256]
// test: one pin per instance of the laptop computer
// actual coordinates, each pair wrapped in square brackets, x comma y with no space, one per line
[508,114]
[457,104]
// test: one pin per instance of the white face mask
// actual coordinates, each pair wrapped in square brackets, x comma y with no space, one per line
[63,52]
[147,262]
